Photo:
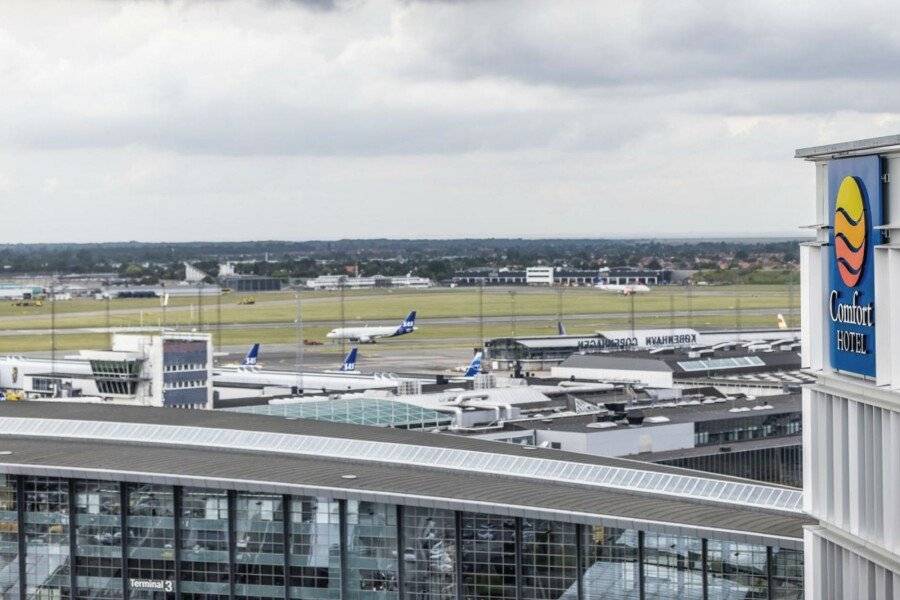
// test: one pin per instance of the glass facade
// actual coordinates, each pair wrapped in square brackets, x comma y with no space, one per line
[204,557]
[549,559]
[742,429]
[9,538]
[47,538]
[371,551]
[259,546]
[673,567]
[488,557]
[150,541]
[315,548]
[103,540]
[98,540]
[429,554]
[781,465]
[610,563]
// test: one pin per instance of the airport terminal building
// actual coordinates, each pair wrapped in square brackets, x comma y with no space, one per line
[132,502]
[850,309]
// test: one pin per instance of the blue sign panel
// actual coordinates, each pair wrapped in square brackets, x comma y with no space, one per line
[854,191]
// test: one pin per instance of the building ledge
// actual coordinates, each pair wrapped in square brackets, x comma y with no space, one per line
[861,390]
[864,548]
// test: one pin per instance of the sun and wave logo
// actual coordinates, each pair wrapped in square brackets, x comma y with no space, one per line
[850,231]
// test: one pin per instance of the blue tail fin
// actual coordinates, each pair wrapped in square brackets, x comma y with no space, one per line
[349,363]
[250,359]
[408,324]
[561,328]
[474,366]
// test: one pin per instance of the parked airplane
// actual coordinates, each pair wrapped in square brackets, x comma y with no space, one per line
[368,335]
[626,289]
[349,363]
[470,370]
[474,367]
[252,354]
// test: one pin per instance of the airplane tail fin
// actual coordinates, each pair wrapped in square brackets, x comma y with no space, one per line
[782,324]
[409,322]
[252,354]
[474,366]
[560,328]
[349,363]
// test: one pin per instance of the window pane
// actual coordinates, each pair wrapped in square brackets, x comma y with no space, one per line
[9,538]
[787,574]
[259,546]
[548,559]
[489,557]
[610,569]
[98,531]
[673,567]
[315,548]
[204,543]
[151,539]
[737,570]
[429,554]
[371,550]
[47,537]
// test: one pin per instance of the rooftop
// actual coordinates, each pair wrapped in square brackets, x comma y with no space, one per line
[243,451]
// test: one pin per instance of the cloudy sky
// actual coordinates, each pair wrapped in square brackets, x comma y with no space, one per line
[291,119]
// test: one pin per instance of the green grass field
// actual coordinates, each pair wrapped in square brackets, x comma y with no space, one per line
[272,318]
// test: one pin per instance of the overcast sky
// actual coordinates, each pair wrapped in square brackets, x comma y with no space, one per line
[280,119]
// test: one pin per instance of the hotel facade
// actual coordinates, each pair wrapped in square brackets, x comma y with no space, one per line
[851,341]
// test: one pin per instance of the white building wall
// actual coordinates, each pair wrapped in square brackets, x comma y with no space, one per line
[851,426]
[539,275]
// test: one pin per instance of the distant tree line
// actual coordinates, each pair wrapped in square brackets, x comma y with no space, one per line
[437,259]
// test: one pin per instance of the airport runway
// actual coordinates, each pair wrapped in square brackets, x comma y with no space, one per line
[424,321]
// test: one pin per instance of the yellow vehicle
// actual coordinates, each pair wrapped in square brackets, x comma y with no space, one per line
[28,303]
[13,395]
[247,301]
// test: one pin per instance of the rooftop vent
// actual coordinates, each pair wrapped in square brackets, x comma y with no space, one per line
[657,419]
[603,425]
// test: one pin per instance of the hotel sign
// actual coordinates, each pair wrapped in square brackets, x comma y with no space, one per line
[854,191]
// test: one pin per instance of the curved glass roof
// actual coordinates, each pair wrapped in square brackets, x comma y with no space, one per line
[629,479]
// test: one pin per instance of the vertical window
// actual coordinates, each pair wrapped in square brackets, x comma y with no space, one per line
[98,531]
[371,550]
[47,537]
[259,546]
[151,539]
[204,543]
[429,553]
[610,563]
[787,574]
[549,561]
[489,557]
[673,567]
[315,548]
[9,538]
[737,570]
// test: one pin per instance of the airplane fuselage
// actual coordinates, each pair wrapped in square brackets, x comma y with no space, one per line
[366,335]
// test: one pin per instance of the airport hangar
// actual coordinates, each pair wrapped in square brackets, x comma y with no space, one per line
[129,502]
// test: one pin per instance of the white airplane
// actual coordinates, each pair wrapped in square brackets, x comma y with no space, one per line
[626,289]
[368,335]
